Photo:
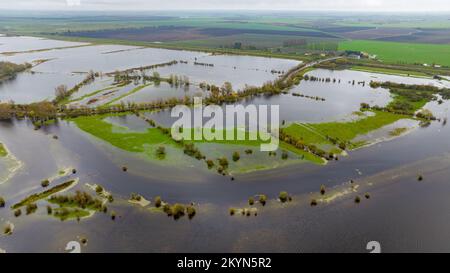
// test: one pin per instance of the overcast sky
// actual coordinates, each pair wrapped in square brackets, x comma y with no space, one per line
[344,5]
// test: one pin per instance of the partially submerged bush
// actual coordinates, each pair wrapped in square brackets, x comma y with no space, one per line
[124,168]
[178,211]
[136,197]
[251,201]
[31,208]
[113,215]
[420,177]
[236,156]
[232,211]
[49,210]
[45,183]
[357,200]
[190,212]
[367,195]
[7,230]
[110,198]
[161,152]
[322,189]
[2,202]
[247,212]
[313,202]
[158,201]
[99,189]
[284,155]
[83,240]
[223,162]
[210,163]
[262,199]
[283,196]
[167,209]
[17,212]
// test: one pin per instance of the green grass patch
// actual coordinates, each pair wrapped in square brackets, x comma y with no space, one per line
[246,141]
[121,137]
[3,151]
[64,214]
[402,52]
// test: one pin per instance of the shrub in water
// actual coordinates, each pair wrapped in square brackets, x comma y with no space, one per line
[263,199]
[17,213]
[322,189]
[283,196]
[236,156]
[98,189]
[45,183]
[31,208]
[190,212]
[49,210]
[178,211]
[158,201]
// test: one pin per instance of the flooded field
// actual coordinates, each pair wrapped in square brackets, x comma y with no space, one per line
[121,152]
[62,66]
[17,44]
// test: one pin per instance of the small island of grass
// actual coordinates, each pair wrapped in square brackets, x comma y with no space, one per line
[42,195]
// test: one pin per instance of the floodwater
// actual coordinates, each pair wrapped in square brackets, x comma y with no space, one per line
[402,213]
[12,44]
[29,87]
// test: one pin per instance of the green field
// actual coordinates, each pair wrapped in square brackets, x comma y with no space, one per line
[119,136]
[402,52]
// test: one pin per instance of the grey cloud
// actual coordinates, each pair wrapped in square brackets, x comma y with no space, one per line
[361,5]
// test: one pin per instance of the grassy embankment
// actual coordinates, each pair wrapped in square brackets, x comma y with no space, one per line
[134,90]
[88,95]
